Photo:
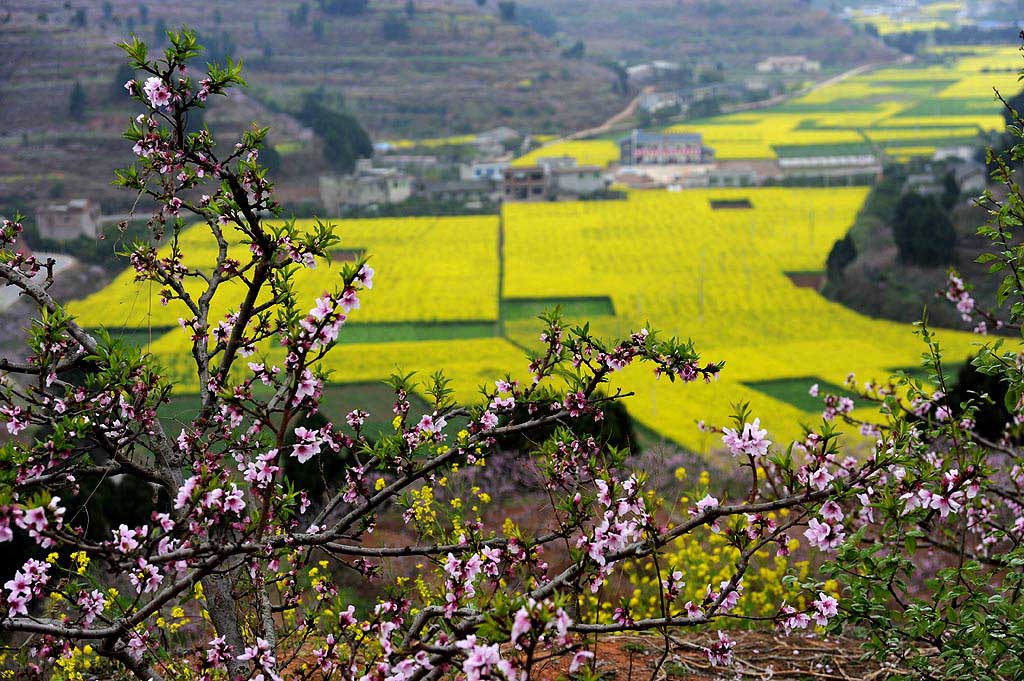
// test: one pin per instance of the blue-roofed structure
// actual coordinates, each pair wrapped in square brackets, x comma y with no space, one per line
[656,148]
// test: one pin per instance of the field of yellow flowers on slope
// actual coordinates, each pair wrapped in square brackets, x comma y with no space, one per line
[905,110]
[718,277]
[665,259]
[426,279]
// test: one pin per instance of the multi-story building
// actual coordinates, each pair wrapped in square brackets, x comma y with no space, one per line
[65,221]
[578,180]
[653,148]
[525,183]
[553,178]
[483,170]
[788,64]
[366,186]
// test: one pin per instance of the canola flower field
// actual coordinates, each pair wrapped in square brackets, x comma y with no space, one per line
[718,276]
[667,259]
[405,250]
[925,16]
[901,111]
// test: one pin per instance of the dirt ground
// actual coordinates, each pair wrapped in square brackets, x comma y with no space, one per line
[757,655]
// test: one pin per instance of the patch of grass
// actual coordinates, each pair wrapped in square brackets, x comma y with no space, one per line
[396,332]
[836,105]
[376,398]
[811,150]
[950,369]
[941,106]
[731,204]
[338,400]
[530,308]
[138,338]
[794,391]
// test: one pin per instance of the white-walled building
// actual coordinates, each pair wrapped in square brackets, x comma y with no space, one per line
[65,221]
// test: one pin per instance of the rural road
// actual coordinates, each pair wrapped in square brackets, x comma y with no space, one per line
[610,124]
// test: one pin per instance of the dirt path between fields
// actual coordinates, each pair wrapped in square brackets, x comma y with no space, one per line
[610,124]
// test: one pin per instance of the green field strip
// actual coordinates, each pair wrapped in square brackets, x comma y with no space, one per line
[402,332]
[940,106]
[949,369]
[530,308]
[930,142]
[371,332]
[811,150]
[836,106]
[795,391]
[339,399]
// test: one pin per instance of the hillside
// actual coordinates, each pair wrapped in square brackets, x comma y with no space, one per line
[459,69]
[738,33]
[877,283]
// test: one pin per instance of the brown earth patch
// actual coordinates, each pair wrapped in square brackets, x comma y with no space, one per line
[757,655]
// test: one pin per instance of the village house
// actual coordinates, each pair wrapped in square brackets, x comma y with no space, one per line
[642,73]
[66,221]
[971,177]
[553,177]
[365,187]
[578,180]
[470,193]
[525,183]
[492,142]
[492,170]
[957,152]
[788,64]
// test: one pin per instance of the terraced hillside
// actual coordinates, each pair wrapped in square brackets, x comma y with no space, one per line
[459,70]
[899,111]
[737,34]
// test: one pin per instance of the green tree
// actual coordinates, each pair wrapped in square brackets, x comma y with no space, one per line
[80,19]
[950,190]
[410,8]
[160,31]
[270,157]
[123,74]
[344,140]
[344,7]
[621,85]
[76,102]
[576,51]
[299,16]
[394,28]
[923,231]
[843,252]
[143,14]
[507,10]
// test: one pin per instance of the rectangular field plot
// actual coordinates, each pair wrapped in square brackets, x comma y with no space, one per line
[531,308]
[796,391]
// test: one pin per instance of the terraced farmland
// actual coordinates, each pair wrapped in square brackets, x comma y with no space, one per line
[460,293]
[666,259]
[902,111]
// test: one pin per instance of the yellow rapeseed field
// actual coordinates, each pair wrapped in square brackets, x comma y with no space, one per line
[941,102]
[426,278]
[662,258]
[667,259]
[586,152]
[717,276]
